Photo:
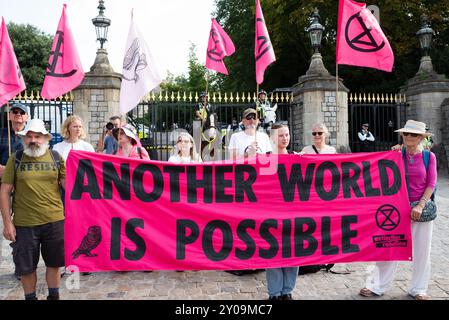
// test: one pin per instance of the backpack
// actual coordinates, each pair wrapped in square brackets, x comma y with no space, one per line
[426,158]
[318,267]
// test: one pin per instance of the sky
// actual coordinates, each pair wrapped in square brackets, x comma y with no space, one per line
[169,27]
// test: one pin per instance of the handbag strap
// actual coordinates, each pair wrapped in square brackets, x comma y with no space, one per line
[314,148]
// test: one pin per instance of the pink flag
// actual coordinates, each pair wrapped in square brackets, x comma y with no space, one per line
[360,40]
[64,70]
[220,46]
[11,80]
[263,50]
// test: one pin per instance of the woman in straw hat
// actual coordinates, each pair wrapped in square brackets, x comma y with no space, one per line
[421,184]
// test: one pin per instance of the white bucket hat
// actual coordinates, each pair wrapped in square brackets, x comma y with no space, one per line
[128,132]
[417,127]
[35,125]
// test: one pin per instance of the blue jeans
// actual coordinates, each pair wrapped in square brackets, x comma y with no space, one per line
[281,281]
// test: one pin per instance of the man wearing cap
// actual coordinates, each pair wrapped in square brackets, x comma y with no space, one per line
[366,139]
[18,115]
[247,144]
[37,224]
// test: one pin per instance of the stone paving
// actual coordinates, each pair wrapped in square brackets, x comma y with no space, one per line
[218,285]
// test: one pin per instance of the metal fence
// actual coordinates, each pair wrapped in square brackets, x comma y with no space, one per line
[384,113]
[52,112]
[158,118]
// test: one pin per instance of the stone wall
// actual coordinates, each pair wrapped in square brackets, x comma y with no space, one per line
[444,159]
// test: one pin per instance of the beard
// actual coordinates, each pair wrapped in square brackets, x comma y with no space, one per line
[34,150]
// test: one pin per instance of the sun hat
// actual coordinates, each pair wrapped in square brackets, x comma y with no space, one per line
[35,125]
[128,132]
[412,126]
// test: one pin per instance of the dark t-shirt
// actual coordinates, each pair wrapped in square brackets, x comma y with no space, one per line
[16,145]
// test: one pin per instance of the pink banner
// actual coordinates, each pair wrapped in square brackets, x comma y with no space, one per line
[263,49]
[219,46]
[11,80]
[127,214]
[64,70]
[360,39]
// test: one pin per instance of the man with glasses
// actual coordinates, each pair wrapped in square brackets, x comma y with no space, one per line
[248,143]
[18,115]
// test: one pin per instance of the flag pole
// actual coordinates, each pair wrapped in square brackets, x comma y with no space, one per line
[9,130]
[257,111]
[336,106]
[207,80]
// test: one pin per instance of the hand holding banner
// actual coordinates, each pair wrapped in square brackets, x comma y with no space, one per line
[220,45]
[11,79]
[360,40]
[64,70]
[263,50]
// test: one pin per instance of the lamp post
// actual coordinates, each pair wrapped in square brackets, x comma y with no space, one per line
[101,24]
[425,35]
[315,31]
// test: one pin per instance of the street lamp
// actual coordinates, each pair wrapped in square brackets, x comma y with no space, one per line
[315,31]
[101,24]
[425,35]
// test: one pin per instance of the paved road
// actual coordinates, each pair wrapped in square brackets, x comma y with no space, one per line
[217,285]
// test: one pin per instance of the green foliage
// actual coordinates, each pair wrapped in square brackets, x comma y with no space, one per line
[32,48]
[287,22]
[196,79]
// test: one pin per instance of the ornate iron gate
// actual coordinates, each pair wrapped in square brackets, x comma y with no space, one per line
[385,113]
[52,112]
[159,116]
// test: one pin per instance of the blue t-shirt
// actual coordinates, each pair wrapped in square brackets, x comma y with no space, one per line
[110,145]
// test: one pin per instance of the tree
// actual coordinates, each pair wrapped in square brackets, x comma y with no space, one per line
[196,79]
[32,48]
[287,21]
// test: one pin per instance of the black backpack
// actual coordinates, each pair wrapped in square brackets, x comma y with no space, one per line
[316,268]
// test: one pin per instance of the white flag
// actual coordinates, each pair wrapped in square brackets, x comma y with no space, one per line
[139,70]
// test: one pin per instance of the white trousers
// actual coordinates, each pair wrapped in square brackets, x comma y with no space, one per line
[382,276]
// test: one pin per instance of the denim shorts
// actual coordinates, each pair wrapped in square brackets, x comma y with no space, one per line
[46,239]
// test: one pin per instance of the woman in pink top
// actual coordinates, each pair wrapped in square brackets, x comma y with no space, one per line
[421,184]
[129,144]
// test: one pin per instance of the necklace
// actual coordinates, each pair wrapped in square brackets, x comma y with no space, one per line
[411,158]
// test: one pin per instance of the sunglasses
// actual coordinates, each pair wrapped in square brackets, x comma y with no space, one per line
[250,116]
[18,112]
[406,134]
[317,133]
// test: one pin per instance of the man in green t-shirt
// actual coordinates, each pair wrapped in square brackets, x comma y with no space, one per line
[36,225]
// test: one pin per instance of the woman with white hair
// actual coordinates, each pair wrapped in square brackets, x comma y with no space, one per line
[319,133]
[421,177]
[185,150]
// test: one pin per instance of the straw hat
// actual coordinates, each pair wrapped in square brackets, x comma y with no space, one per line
[35,125]
[413,126]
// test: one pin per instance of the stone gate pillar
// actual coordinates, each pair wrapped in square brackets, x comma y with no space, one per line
[425,94]
[97,98]
[316,102]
